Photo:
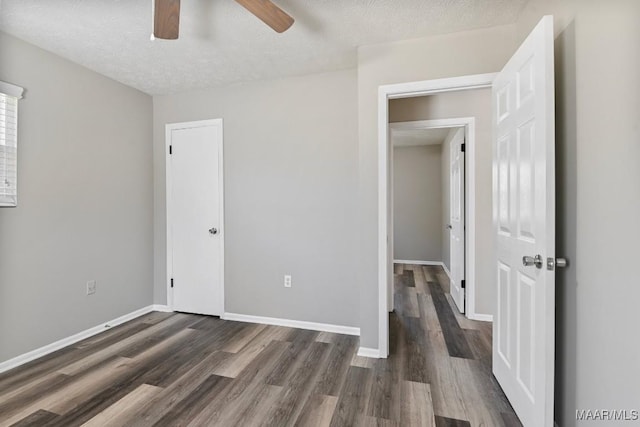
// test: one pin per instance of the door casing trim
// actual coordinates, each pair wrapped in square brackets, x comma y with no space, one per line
[385,93]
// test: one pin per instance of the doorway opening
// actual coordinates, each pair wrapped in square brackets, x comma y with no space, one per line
[427,170]
[429,300]
[407,91]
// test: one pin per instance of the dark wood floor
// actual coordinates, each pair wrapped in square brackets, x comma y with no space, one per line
[179,369]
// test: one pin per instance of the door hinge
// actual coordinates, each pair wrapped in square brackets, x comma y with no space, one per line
[171,149]
[463,147]
[462,285]
[172,282]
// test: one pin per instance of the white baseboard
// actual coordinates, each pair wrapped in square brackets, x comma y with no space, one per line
[162,308]
[481,317]
[369,352]
[323,327]
[50,348]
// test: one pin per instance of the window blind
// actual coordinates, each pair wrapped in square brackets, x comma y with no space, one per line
[9,96]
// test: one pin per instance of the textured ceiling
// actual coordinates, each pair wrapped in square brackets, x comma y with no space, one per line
[418,137]
[221,43]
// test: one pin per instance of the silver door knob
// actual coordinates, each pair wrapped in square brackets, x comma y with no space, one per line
[528,261]
[213,230]
[553,263]
[448,227]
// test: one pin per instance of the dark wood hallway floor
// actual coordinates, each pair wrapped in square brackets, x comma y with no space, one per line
[175,369]
[432,342]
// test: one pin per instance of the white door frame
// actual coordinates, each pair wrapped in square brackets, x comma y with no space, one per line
[469,124]
[190,125]
[385,215]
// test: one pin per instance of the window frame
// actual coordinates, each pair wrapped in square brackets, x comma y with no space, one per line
[8,90]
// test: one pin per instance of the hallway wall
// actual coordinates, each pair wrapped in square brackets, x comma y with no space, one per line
[417,201]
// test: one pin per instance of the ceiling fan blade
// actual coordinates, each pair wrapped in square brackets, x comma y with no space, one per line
[166,20]
[268,13]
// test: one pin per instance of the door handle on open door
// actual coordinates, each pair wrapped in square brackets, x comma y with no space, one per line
[528,261]
[213,230]
[553,263]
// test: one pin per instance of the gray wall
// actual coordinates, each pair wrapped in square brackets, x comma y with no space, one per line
[458,54]
[598,202]
[85,201]
[417,198]
[291,164]
[472,103]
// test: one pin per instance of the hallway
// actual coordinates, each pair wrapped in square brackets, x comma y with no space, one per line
[432,343]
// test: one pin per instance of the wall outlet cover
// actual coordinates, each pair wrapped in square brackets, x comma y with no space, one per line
[91,287]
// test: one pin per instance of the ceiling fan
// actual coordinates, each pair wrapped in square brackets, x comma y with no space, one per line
[166,19]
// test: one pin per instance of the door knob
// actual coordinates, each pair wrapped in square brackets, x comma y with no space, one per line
[448,227]
[213,230]
[553,263]
[528,261]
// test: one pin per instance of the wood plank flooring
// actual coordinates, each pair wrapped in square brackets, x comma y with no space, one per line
[176,369]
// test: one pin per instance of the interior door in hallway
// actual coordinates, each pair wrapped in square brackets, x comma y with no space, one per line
[196,217]
[524,227]
[456,219]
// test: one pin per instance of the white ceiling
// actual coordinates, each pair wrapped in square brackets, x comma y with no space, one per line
[221,43]
[418,137]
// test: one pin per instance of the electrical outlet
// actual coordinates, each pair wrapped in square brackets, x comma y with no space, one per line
[287,281]
[91,287]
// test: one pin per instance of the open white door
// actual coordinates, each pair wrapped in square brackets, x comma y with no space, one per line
[195,217]
[456,218]
[524,225]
